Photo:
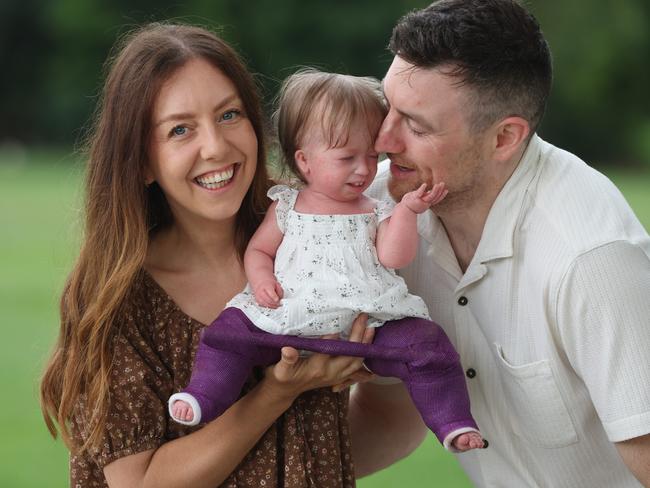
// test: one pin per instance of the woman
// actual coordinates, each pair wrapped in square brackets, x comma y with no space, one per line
[175,188]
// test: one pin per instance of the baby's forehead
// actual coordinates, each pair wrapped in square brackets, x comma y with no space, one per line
[334,129]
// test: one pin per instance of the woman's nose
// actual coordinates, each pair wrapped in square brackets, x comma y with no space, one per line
[388,139]
[214,146]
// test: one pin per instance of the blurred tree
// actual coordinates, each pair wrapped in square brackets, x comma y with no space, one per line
[52,55]
[600,107]
[24,40]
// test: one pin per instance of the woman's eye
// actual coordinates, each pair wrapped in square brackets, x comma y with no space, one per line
[179,130]
[230,115]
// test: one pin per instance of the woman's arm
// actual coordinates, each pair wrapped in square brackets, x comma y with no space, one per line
[206,457]
[397,237]
[259,260]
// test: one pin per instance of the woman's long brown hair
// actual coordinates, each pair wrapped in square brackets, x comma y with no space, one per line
[120,214]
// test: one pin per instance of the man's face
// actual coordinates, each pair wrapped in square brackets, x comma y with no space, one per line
[427,135]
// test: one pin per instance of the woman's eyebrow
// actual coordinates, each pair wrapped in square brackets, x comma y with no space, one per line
[188,115]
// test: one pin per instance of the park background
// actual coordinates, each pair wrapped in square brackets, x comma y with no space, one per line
[52,53]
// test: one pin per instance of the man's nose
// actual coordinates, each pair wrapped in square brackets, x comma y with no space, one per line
[389,139]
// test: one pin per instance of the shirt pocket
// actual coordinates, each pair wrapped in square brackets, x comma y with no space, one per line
[535,402]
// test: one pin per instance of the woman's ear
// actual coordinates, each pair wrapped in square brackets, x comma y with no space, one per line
[302,162]
[149,177]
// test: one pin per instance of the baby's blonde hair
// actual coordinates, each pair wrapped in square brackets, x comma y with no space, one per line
[312,100]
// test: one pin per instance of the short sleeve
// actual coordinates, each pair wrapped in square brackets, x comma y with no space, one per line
[136,419]
[286,198]
[603,320]
[384,209]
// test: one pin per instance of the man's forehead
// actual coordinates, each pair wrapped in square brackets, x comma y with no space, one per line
[411,82]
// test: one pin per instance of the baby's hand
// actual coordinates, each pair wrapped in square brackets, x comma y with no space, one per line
[268,293]
[420,200]
[468,441]
[182,411]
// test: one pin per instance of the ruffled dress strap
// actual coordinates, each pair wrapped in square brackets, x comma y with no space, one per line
[286,198]
[384,209]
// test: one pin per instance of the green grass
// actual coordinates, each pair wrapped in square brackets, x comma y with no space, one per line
[39,202]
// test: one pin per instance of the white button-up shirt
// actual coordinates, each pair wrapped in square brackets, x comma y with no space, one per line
[552,323]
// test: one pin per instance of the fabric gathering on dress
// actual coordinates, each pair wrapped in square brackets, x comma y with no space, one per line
[328,268]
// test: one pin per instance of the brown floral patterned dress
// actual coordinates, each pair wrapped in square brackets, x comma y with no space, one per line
[308,446]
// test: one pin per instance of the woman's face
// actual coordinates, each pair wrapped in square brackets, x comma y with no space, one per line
[203,149]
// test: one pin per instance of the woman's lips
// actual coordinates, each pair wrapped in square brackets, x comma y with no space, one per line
[217,180]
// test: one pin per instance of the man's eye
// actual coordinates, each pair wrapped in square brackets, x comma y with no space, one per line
[415,131]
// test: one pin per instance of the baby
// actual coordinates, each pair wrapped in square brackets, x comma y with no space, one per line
[326,253]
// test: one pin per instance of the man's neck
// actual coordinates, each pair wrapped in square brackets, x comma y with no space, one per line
[464,229]
[465,224]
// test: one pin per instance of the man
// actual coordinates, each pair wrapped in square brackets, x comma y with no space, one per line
[534,263]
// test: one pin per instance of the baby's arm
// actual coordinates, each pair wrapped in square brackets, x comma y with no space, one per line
[397,237]
[259,260]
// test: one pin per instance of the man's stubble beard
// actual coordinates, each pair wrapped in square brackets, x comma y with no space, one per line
[462,193]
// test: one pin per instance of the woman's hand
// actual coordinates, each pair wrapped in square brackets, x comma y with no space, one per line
[293,375]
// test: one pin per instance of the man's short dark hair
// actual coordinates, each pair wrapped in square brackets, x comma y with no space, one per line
[494,47]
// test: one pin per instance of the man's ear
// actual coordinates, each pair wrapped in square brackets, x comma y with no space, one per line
[511,133]
[302,162]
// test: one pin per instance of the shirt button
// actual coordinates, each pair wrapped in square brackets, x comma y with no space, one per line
[462,301]
[471,372]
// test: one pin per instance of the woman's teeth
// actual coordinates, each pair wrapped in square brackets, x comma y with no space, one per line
[216,180]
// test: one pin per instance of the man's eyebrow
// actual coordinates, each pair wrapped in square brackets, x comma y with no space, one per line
[414,117]
[189,115]
[418,119]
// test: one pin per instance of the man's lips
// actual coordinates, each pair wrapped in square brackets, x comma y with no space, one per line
[399,171]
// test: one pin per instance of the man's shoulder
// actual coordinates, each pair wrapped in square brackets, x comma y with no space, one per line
[583,207]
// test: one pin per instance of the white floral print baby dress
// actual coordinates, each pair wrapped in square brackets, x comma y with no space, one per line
[329,271]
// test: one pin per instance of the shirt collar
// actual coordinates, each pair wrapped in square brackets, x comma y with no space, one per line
[497,240]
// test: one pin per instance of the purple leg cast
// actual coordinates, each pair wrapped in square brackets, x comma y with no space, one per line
[417,351]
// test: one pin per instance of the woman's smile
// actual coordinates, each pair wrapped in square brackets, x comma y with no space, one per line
[216,180]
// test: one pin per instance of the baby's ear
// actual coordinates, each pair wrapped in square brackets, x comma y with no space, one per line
[301,162]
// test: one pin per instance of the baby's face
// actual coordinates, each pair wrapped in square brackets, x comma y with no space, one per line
[342,173]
